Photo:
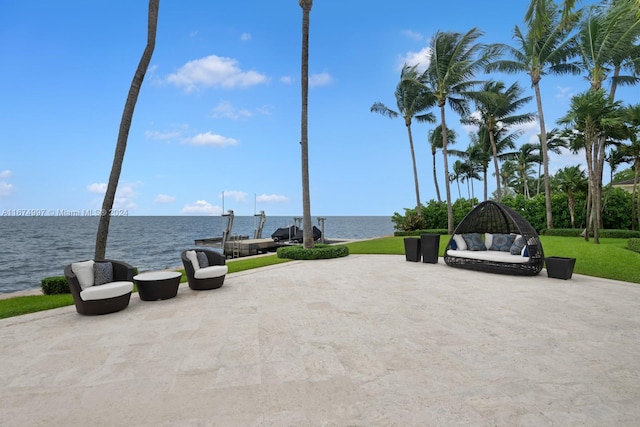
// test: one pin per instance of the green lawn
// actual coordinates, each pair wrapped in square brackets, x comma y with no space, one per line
[610,259]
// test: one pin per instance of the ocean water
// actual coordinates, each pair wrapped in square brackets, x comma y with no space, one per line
[35,247]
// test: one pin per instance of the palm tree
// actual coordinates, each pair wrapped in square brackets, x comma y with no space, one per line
[123,132]
[307,228]
[497,106]
[633,151]
[454,59]
[435,142]
[411,98]
[508,174]
[554,144]
[593,114]
[458,174]
[524,159]
[606,41]
[570,180]
[544,48]
[473,159]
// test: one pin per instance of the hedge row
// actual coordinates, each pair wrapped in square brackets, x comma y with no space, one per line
[634,245]
[419,232]
[320,251]
[576,232]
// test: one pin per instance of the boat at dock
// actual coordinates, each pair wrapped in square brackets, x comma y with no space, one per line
[234,246]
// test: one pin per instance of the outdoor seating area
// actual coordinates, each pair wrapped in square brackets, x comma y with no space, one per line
[105,286]
[495,238]
[380,343]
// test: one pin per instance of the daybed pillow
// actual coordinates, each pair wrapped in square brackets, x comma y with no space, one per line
[517,246]
[102,273]
[474,242]
[488,240]
[203,261]
[502,242]
[460,243]
[84,272]
[191,256]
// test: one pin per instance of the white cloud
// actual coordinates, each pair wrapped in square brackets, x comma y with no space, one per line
[238,196]
[214,71]
[225,109]
[152,134]
[245,37]
[321,79]
[125,193]
[98,187]
[413,35]
[5,189]
[565,93]
[286,80]
[5,174]
[164,198]
[201,207]
[276,198]
[209,138]
[415,58]
[266,110]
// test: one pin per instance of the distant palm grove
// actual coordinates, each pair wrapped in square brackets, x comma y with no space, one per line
[599,44]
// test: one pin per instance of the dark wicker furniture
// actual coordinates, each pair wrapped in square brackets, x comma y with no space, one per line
[214,258]
[121,272]
[157,285]
[493,217]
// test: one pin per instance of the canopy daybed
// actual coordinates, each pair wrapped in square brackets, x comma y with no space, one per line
[495,238]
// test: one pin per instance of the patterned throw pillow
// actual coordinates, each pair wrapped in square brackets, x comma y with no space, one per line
[502,242]
[474,242]
[102,273]
[202,259]
[517,246]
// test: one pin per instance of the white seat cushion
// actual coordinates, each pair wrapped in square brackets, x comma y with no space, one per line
[108,290]
[193,257]
[497,256]
[211,272]
[84,272]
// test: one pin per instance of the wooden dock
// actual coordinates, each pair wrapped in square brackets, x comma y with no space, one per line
[239,247]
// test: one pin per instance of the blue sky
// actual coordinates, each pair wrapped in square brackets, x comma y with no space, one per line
[219,110]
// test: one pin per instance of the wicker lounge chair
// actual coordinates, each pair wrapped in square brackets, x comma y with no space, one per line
[200,276]
[109,297]
[490,218]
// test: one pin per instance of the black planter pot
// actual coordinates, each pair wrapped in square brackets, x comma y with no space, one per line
[559,267]
[430,246]
[412,249]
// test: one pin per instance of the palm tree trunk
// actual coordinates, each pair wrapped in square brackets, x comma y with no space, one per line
[494,151]
[484,174]
[572,208]
[415,173]
[435,176]
[545,157]
[446,171]
[123,133]
[307,228]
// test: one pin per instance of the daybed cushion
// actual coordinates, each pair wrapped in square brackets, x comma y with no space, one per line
[460,243]
[102,273]
[501,242]
[203,261]
[211,272]
[84,272]
[108,290]
[474,242]
[518,245]
[193,257]
[497,256]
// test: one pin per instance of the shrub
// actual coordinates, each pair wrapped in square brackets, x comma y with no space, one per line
[55,285]
[575,232]
[634,244]
[320,251]
[419,232]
